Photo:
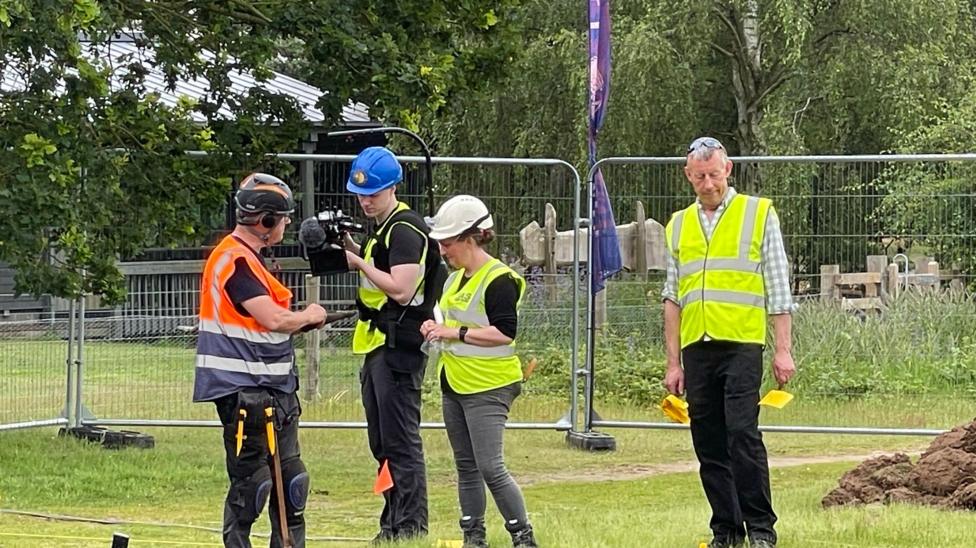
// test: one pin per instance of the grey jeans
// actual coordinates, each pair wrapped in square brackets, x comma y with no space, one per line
[475,427]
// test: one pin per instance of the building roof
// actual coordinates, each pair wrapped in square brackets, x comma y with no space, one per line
[124,51]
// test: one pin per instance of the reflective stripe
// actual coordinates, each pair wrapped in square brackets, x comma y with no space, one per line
[215,344]
[215,289]
[237,365]
[748,225]
[265,337]
[676,230]
[738,265]
[465,349]
[473,313]
[210,384]
[722,296]
[452,277]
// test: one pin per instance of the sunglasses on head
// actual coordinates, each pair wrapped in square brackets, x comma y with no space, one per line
[704,142]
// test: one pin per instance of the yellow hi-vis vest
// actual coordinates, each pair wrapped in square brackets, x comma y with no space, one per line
[720,282]
[471,369]
[367,337]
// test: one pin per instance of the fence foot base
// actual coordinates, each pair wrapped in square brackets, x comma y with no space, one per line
[591,441]
[109,439]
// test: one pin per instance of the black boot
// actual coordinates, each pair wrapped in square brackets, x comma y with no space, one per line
[522,536]
[475,535]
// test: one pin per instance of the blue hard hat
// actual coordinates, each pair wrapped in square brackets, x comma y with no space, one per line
[374,169]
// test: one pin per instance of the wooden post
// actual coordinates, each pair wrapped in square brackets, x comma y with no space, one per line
[307,171]
[549,268]
[876,263]
[312,341]
[828,282]
[600,304]
[640,241]
[891,281]
[933,270]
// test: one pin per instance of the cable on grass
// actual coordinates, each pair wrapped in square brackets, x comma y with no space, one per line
[114,521]
[99,539]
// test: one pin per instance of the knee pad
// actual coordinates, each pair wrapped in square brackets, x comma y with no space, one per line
[250,495]
[296,486]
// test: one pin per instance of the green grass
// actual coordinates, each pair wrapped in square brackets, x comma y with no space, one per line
[574,498]
[913,369]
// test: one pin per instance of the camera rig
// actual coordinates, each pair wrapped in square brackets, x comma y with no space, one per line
[322,236]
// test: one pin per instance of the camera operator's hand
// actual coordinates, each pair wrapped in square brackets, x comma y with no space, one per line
[355,261]
[350,243]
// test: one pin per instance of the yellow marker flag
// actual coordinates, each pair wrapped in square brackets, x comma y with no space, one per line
[776,398]
[675,409]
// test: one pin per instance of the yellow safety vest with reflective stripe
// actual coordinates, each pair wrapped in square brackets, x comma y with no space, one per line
[720,282]
[366,336]
[469,368]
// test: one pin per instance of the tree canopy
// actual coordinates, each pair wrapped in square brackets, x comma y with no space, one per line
[92,166]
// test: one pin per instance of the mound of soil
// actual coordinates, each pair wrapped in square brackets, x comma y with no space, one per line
[944,476]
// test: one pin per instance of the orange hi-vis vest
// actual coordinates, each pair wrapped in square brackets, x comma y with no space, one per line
[234,351]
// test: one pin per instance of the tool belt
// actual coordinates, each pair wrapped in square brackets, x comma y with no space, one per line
[254,400]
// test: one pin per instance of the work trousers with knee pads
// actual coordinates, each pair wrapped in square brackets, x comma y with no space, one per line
[391,399]
[251,473]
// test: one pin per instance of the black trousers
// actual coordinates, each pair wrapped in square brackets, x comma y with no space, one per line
[722,380]
[251,478]
[391,399]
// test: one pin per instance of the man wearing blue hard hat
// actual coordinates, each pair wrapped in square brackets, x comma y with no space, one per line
[401,276]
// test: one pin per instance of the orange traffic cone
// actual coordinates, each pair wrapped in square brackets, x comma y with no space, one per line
[384,481]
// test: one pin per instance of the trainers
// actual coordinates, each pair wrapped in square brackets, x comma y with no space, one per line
[761,543]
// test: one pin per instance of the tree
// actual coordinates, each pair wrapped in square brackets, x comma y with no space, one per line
[93,167]
[765,76]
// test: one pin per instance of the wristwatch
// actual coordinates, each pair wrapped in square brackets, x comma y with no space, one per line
[462,332]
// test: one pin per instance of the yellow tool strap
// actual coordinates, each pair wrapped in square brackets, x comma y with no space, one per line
[240,431]
[269,413]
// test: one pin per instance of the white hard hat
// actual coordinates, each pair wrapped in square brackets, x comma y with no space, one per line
[459,214]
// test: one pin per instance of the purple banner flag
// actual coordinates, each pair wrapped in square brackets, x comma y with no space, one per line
[603,235]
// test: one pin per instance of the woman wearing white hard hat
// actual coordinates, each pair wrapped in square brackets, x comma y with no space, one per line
[479,372]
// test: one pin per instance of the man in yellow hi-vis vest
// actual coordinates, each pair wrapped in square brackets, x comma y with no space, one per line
[727,270]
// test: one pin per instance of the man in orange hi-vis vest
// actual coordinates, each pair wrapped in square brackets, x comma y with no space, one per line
[246,364]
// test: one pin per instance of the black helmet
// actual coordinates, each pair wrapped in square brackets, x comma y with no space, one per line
[260,194]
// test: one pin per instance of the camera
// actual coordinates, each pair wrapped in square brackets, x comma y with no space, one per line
[322,242]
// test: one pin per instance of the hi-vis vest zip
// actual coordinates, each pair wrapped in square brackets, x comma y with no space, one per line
[720,282]
[469,368]
[235,351]
[366,336]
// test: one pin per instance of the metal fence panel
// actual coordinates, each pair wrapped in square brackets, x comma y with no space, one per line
[139,361]
[33,378]
[911,365]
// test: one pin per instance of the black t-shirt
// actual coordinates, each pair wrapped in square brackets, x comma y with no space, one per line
[243,285]
[501,298]
[406,245]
